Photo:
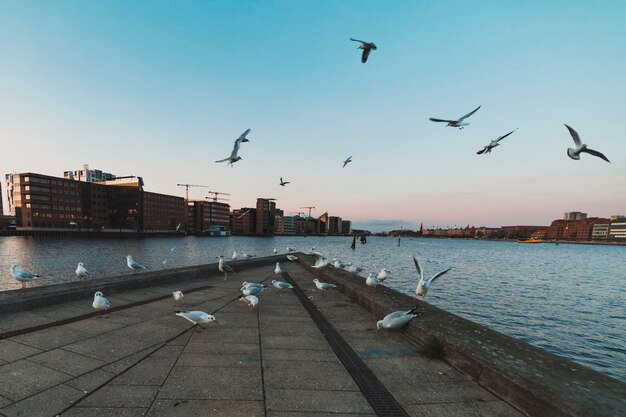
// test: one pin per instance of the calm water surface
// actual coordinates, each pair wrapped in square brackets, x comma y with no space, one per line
[567,299]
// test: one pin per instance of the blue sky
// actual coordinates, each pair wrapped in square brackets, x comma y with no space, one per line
[161,89]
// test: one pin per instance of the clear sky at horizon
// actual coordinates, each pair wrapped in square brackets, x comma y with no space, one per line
[161,89]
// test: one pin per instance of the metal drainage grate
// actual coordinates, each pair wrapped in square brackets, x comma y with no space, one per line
[381,400]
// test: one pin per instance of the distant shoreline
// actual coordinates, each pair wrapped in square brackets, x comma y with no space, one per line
[565,242]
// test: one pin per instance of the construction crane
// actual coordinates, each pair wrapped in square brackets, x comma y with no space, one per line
[309,207]
[299,213]
[187,188]
[216,196]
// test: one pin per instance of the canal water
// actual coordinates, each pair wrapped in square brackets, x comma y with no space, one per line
[567,299]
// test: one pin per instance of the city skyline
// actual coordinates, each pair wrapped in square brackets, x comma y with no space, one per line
[161,92]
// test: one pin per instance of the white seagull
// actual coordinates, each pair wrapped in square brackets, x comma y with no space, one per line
[423,285]
[383,274]
[456,123]
[283,183]
[347,161]
[100,303]
[253,284]
[337,263]
[289,250]
[397,319]
[581,147]
[198,318]
[292,257]
[281,284]
[372,281]
[323,286]
[81,271]
[134,265]
[487,149]
[251,290]
[233,155]
[247,255]
[277,270]
[224,267]
[235,256]
[178,296]
[353,268]
[367,47]
[23,276]
[275,251]
[251,301]
[320,261]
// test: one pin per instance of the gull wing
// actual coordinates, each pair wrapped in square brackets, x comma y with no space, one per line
[502,137]
[574,136]
[356,40]
[596,153]
[432,119]
[420,273]
[366,53]
[469,114]
[482,151]
[438,275]
[223,160]
[243,135]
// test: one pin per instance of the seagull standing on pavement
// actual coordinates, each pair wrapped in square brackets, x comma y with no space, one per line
[292,257]
[277,270]
[178,296]
[581,147]
[81,271]
[224,267]
[134,265]
[397,319]
[23,276]
[372,281]
[383,274]
[424,284]
[320,260]
[275,251]
[456,123]
[283,183]
[233,155]
[367,47]
[100,303]
[281,285]
[323,286]
[235,256]
[251,301]
[198,318]
[251,290]
[347,161]
[487,149]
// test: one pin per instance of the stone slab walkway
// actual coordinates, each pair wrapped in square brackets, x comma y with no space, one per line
[274,362]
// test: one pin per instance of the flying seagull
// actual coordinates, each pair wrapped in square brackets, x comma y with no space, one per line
[283,183]
[233,155]
[366,47]
[424,284]
[456,123]
[493,144]
[581,147]
[347,161]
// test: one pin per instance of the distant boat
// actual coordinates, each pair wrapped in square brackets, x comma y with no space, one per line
[531,240]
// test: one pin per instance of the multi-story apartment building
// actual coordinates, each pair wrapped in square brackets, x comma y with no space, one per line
[574,229]
[162,212]
[574,215]
[617,231]
[244,221]
[266,213]
[201,215]
[289,225]
[88,175]
[600,231]
[334,225]
[346,227]
[322,224]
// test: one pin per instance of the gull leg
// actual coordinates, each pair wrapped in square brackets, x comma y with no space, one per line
[23,284]
[225,275]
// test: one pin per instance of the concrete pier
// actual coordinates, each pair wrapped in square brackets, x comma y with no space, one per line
[291,357]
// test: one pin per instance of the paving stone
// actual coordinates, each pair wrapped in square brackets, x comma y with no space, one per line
[150,371]
[51,338]
[297,414]
[93,326]
[213,383]
[46,403]
[320,401]
[415,368]
[4,401]
[222,348]
[309,376]
[21,320]
[67,362]
[206,408]
[104,412]
[23,378]
[168,351]
[295,342]
[63,311]
[106,347]
[12,351]
[290,355]
[222,360]
[465,409]
[223,334]
[123,364]
[121,396]
[91,380]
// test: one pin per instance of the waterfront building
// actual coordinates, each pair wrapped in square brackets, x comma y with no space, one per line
[574,229]
[346,227]
[201,215]
[574,215]
[162,212]
[334,225]
[289,225]
[520,232]
[88,175]
[279,225]
[600,231]
[244,221]
[266,213]
[617,230]
[322,224]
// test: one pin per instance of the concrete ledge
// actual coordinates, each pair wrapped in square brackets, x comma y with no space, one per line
[25,299]
[534,381]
